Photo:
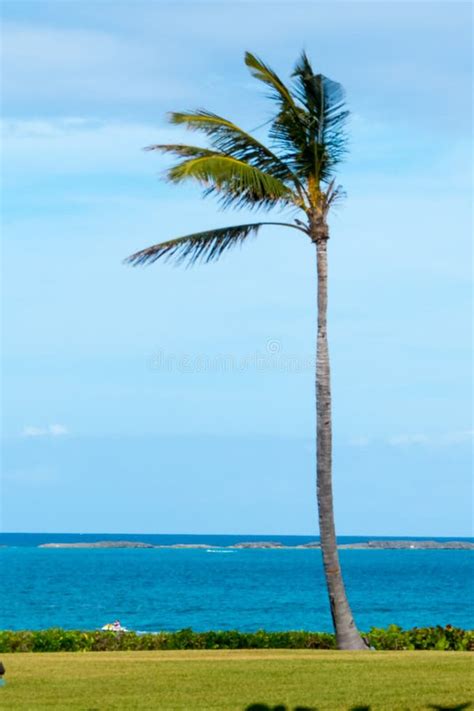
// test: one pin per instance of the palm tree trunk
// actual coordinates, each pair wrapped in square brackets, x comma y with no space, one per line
[347,635]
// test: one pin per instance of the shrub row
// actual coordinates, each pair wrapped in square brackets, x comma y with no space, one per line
[394,637]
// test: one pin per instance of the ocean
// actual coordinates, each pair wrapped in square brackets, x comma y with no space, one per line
[169,589]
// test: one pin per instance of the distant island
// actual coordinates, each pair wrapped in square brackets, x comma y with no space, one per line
[276,545]
[99,544]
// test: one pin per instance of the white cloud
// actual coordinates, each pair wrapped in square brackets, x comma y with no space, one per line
[359,441]
[457,437]
[33,432]
[408,439]
[443,440]
[47,63]
[124,57]
[80,146]
[55,430]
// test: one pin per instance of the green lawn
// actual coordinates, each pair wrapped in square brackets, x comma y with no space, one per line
[232,680]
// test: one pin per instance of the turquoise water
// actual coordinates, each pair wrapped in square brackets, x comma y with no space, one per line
[162,589]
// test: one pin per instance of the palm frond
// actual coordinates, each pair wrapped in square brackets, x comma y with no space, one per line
[205,246]
[181,149]
[334,195]
[289,125]
[290,128]
[226,137]
[324,104]
[279,90]
[307,132]
[292,140]
[235,181]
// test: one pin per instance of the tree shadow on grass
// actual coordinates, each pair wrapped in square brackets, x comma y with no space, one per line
[280,707]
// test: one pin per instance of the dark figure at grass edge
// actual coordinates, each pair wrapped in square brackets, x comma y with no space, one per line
[295,172]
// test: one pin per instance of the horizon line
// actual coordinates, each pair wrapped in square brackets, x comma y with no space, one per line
[239,535]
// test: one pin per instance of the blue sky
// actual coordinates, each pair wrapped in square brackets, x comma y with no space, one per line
[166,400]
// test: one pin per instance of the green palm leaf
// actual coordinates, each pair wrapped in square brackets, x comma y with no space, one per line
[289,129]
[308,130]
[181,149]
[279,90]
[322,98]
[324,103]
[226,137]
[205,246]
[235,181]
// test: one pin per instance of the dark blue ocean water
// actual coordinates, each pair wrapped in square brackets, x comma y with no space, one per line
[161,589]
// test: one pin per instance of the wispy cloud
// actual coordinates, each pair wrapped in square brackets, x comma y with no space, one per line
[403,440]
[74,65]
[39,476]
[457,437]
[359,441]
[110,61]
[54,430]
[412,439]
[81,146]
[444,439]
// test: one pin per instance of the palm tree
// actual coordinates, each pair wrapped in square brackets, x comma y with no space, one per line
[307,141]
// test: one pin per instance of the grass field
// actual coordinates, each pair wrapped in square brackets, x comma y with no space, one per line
[233,680]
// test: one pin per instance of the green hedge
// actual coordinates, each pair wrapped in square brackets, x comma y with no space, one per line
[59,640]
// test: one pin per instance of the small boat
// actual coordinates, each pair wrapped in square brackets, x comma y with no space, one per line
[114,627]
